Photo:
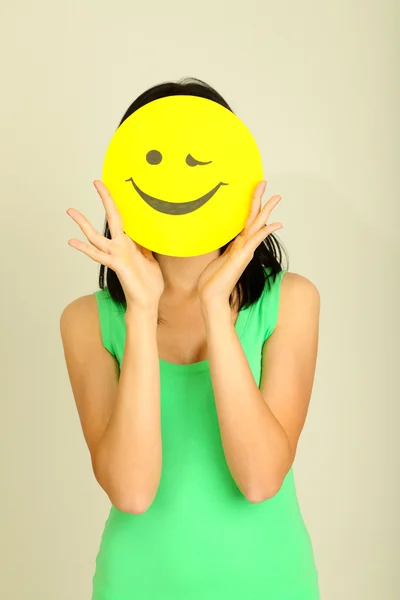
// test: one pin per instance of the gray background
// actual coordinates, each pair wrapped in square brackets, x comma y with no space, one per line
[316,83]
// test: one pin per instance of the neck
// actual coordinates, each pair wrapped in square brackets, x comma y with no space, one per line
[181,274]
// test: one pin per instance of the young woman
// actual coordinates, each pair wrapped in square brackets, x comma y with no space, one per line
[192,378]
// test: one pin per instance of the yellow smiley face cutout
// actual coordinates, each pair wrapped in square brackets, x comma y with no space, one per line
[182,171]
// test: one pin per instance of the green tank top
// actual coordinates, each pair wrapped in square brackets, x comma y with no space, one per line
[201,539]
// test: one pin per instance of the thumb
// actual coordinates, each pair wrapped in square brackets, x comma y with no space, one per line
[146,253]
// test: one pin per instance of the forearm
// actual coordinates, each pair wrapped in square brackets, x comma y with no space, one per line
[128,458]
[255,444]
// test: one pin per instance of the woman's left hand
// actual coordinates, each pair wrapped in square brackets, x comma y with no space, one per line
[219,278]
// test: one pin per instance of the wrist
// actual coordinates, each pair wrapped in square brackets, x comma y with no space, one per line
[216,310]
[141,314]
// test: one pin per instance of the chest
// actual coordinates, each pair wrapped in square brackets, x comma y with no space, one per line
[181,333]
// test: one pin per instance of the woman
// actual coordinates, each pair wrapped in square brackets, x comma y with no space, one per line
[192,378]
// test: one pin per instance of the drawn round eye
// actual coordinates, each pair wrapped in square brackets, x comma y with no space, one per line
[154,157]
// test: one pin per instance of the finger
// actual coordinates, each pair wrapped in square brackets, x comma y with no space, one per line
[256,203]
[264,215]
[114,218]
[97,239]
[259,236]
[93,253]
[222,258]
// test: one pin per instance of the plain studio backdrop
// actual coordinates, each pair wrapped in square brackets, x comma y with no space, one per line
[316,84]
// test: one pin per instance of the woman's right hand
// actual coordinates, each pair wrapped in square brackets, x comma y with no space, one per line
[138,271]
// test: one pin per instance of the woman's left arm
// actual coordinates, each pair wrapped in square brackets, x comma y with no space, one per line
[260,427]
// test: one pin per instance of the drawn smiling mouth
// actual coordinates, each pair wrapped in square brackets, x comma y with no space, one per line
[175,208]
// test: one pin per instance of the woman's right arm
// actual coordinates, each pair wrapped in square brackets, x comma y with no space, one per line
[120,416]
[119,411]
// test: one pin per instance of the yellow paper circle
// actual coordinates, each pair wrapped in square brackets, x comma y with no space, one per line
[182,171]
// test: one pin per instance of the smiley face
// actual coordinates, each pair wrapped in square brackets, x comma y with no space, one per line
[182,170]
[154,157]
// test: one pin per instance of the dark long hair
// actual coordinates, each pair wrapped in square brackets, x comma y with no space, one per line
[268,254]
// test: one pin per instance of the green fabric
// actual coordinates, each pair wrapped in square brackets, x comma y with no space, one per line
[201,539]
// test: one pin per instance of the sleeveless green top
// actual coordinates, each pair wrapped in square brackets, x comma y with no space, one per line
[201,539]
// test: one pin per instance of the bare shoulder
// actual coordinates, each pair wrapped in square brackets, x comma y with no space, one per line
[92,370]
[295,283]
[299,298]
[80,316]
[84,306]
[81,331]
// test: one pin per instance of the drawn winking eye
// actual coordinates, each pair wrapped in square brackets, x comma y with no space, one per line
[192,162]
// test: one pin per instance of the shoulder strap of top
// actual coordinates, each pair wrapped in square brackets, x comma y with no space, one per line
[271,301]
[105,309]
